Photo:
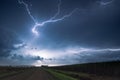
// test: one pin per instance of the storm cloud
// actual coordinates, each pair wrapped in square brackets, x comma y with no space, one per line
[90,34]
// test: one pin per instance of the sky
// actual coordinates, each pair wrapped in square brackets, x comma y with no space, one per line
[59,32]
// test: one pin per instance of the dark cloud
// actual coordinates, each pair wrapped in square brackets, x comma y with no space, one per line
[16,62]
[21,57]
[95,25]
[89,57]
[99,57]
[7,39]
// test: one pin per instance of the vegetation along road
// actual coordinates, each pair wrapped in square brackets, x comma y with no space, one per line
[31,74]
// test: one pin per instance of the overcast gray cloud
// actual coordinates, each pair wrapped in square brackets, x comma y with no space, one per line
[93,28]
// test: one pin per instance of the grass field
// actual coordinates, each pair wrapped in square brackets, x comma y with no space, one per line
[8,71]
[60,76]
[91,71]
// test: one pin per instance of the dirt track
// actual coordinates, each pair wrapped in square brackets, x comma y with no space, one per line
[36,74]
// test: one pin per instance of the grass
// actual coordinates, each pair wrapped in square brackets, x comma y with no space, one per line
[91,71]
[60,76]
[83,76]
[100,68]
[8,74]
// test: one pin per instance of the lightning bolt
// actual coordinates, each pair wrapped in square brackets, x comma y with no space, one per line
[106,3]
[51,20]
[28,10]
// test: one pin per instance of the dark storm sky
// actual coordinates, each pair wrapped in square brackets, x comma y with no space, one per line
[95,26]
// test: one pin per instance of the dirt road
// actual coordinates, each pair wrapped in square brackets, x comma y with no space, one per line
[34,74]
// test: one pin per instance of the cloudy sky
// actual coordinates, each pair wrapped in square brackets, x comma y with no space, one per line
[59,32]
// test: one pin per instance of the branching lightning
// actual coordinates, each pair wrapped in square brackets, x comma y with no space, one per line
[51,20]
[28,10]
[106,3]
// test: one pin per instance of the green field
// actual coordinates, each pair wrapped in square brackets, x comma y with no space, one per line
[91,71]
[60,76]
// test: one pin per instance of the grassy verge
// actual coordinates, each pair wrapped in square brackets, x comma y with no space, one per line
[7,74]
[86,76]
[82,76]
[59,76]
